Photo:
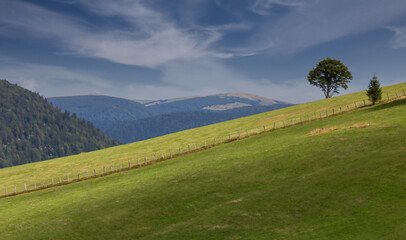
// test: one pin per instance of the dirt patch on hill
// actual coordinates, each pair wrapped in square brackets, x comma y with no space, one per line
[318,131]
[361,125]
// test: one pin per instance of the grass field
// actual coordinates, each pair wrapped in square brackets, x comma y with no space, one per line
[342,177]
[42,172]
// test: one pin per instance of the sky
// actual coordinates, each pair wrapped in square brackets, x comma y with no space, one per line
[159,49]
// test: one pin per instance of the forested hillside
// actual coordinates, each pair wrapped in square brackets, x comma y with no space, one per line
[32,130]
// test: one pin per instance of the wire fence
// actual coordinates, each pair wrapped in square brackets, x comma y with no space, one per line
[189,148]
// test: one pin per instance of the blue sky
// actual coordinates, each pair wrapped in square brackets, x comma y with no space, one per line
[160,49]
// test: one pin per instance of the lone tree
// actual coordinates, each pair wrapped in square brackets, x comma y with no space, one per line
[374,91]
[329,75]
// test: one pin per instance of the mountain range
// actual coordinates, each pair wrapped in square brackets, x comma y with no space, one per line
[132,120]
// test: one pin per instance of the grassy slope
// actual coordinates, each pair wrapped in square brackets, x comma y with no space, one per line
[43,171]
[349,183]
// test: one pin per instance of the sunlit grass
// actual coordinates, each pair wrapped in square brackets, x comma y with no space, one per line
[43,172]
[347,183]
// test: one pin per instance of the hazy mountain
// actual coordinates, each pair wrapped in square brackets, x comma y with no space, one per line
[102,108]
[132,120]
[132,131]
[217,102]
[33,130]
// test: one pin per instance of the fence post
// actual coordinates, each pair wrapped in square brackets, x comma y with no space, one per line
[25,186]
[60,179]
[195,146]
[205,143]
[308,117]
[35,185]
[274,124]
[104,169]
[239,134]
[180,150]
[111,168]
[355,103]
[396,93]
[78,176]
[170,152]
[348,108]
[138,162]
[87,173]
[264,128]
[256,130]
[163,156]
[94,171]
[283,123]
[364,102]
[52,181]
[129,164]
[188,147]
[145,159]
[155,156]
[320,115]
[340,109]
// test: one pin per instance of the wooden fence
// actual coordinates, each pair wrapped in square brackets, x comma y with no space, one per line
[190,148]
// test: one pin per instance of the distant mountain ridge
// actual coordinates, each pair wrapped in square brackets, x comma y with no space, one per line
[137,130]
[132,120]
[102,108]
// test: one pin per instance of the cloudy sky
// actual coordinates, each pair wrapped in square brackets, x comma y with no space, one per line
[156,49]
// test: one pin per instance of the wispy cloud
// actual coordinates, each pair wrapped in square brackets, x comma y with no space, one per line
[318,22]
[399,40]
[52,80]
[262,7]
[152,39]
[188,55]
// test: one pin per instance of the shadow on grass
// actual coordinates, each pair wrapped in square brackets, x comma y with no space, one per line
[387,105]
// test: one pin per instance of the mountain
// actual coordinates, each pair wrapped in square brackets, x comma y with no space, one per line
[137,130]
[32,130]
[217,102]
[133,120]
[102,108]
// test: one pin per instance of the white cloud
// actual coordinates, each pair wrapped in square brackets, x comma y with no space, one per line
[52,80]
[208,77]
[262,7]
[322,21]
[150,41]
[399,40]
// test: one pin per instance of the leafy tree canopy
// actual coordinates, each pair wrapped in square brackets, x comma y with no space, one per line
[330,75]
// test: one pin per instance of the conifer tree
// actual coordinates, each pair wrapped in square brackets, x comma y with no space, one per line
[374,91]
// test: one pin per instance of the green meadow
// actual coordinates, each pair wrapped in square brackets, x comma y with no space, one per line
[42,172]
[342,177]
